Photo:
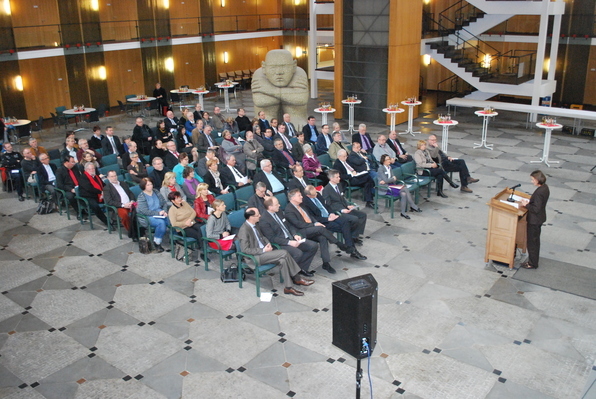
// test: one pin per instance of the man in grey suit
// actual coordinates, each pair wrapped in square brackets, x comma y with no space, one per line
[333,195]
[253,242]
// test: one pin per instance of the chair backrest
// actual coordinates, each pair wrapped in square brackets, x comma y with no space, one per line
[122,107]
[109,159]
[229,200]
[93,117]
[283,200]
[105,169]
[408,168]
[101,110]
[56,162]
[245,192]
[54,154]
[174,97]
[236,218]
[324,159]
[223,76]
[130,96]
[136,190]
[38,125]
[60,109]
[185,86]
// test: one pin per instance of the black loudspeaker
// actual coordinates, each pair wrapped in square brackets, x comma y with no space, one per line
[355,314]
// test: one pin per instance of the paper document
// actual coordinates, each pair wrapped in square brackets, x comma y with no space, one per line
[244,180]
[230,237]
[209,210]
[160,217]
[513,204]
[266,296]
[361,173]
[517,197]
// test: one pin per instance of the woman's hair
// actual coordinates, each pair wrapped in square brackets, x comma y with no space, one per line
[201,187]
[216,204]
[188,171]
[539,176]
[157,141]
[167,178]
[384,158]
[211,162]
[160,122]
[182,156]
[420,143]
[223,134]
[144,181]
[173,195]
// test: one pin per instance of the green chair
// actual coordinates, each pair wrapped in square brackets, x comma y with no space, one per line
[110,159]
[380,194]
[229,199]
[243,194]
[259,270]
[407,173]
[83,204]
[31,187]
[178,236]
[62,202]
[283,200]
[350,189]
[207,249]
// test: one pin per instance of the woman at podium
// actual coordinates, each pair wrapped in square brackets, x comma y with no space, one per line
[536,216]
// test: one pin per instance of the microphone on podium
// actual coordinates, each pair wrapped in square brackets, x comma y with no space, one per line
[510,199]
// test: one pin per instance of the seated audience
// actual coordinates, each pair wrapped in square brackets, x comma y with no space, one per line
[231,146]
[136,169]
[162,133]
[218,226]
[169,185]
[158,150]
[231,176]
[426,166]
[203,201]
[190,182]
[450,164]
[158,173]
[324,140]
[312,167]
[36,149]
[183,216]
[91,188]
[142,135]
[253,150]
[272,180]
[118,194]
[400,152]
[353,178]
[213,179]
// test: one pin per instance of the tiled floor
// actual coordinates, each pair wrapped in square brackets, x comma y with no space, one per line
[84,315]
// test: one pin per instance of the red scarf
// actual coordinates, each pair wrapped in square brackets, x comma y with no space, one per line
[97,184]
[231,140]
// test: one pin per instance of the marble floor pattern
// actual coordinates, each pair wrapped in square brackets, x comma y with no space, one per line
[84,315]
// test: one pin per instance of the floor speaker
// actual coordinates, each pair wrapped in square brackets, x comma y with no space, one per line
[355,314]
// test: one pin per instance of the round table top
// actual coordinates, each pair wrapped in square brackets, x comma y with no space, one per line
[176,91]
[200,92]
[484,113]
[409,104]
[225,85]
[446,123]
[141,100]
[72,111]
[549,125]
[393,110]
[355,102]
[19,122]
[325,111]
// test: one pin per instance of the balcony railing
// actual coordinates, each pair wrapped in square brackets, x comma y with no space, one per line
[47,36]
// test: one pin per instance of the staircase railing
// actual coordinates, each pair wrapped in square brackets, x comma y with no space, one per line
[457,14]
[517,66]
[450,87]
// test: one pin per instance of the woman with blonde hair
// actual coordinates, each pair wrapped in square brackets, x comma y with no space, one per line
[203,201]
[169,185]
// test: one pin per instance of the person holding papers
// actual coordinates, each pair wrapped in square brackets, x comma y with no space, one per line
[386,177]
[231,176]
[203,201]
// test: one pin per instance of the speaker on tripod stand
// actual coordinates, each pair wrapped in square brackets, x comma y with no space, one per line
[355,314]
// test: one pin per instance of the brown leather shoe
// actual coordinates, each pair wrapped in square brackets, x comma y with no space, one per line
[304,281]
[472,180]
[293,291]
[465,189]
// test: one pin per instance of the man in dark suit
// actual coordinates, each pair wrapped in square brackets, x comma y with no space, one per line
[400,152]
[171,122]
[361,161]
[117,194]
[272,180]
[254,242]
[96,141]
[324,140]
[349,174]
[310,130]
[278,231]
[298,181]
[198,113]
[142,135]
[290,128]
[112,145]
[281,157]
[263,122]
[308,227]
[67,178]
[346,224]
[171,158]
[298,148]
[267,142]
[91,188]
[335,200]
[231,176]
[46,176]
[282,135]
[158,173]
[258,199]
[363,138]
[201,164]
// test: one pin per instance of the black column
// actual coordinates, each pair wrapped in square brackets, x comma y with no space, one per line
[366,52]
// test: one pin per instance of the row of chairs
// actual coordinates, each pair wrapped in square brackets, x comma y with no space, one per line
[243,77]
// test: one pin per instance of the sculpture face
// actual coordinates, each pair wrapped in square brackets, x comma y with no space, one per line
[279,67]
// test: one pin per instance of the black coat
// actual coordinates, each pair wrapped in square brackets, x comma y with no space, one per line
[107,147]
[63,179]
[42,174]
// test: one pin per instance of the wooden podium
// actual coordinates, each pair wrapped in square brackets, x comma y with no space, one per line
[506,228]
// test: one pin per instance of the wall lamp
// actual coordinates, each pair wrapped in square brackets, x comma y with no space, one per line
[95,5]
[18,83]
[426,58]
[7,10]
[226,58]
[223,3]
[169,64]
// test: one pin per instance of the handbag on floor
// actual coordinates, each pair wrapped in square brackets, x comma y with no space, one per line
[45,206]
[230,274]
[144,245]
